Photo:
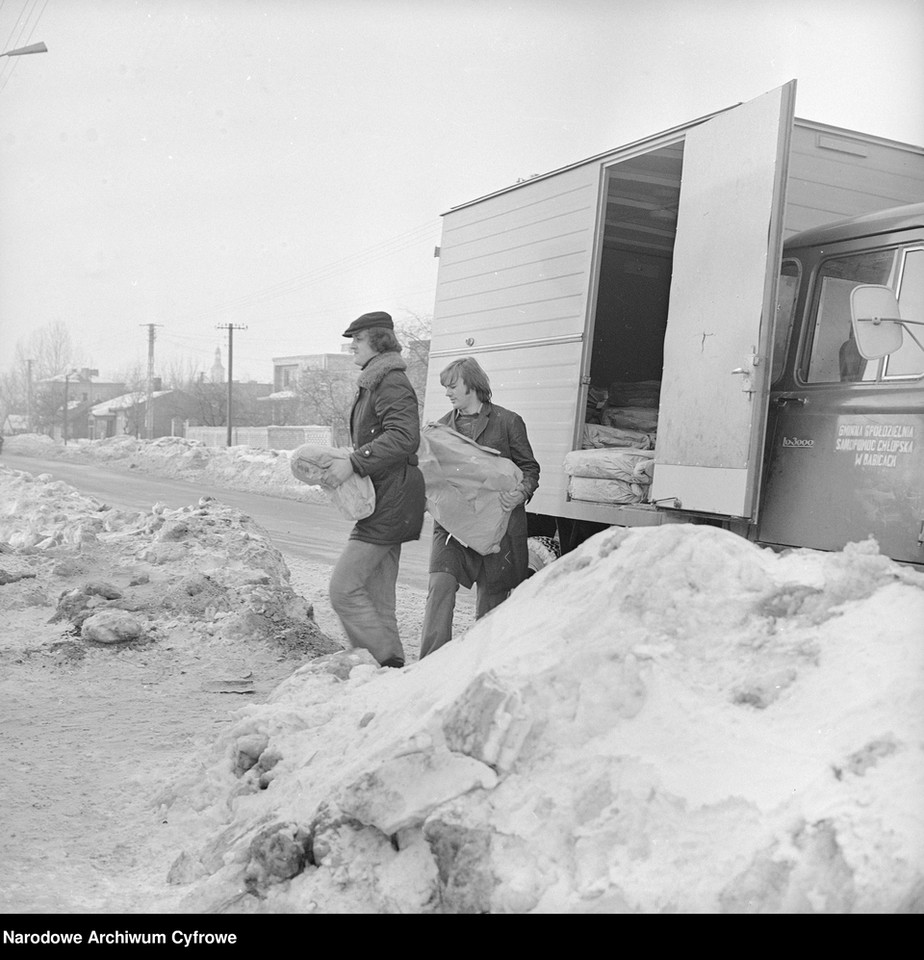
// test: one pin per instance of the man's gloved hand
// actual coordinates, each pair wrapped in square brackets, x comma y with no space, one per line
[338,472]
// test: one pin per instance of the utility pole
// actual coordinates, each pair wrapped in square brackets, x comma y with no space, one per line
[149,406]
[230,327]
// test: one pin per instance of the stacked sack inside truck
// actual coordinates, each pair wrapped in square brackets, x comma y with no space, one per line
[609,474]
[616,462]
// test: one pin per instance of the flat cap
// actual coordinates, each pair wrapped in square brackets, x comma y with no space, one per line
[376,319]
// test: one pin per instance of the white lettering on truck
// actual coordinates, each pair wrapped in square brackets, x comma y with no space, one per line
[875,444]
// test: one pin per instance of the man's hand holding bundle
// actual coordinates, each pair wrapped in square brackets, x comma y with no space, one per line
[512,498]
[338,472]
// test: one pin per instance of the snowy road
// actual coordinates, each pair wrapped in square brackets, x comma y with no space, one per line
[302,531]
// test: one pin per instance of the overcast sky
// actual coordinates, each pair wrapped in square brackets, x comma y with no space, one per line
[283,164]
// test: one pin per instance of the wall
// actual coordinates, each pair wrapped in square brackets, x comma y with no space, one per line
[263,438]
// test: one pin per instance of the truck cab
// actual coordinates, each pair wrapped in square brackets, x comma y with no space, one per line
[844,458]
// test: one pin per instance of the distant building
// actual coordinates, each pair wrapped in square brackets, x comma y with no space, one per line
[14,423]
[82,393]
[217,374]
[127,414]
[285,401]
[287,370]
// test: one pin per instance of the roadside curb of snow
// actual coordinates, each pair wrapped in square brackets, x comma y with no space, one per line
[235,468]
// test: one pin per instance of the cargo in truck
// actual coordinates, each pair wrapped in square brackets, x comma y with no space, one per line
[676,322]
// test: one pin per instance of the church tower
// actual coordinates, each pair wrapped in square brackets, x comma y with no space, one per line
[218,371]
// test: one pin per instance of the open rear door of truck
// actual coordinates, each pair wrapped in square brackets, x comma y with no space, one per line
[723,293]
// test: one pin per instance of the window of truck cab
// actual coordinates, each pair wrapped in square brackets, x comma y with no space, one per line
[786,298]
[830,351]
[908,360]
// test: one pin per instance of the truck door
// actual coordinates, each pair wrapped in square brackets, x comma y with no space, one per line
[845,458]
[726,257]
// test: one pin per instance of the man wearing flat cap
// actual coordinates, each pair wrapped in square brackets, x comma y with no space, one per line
[385,433]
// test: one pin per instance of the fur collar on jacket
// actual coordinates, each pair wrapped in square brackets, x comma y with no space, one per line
[372,373]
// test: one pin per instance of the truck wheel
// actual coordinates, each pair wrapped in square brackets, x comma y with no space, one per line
[542,551]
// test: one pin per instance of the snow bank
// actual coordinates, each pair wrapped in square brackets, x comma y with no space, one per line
[236,468]
[665,720]
[204,570]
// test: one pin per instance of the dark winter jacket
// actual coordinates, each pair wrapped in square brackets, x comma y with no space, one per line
[504,431]
[385,431]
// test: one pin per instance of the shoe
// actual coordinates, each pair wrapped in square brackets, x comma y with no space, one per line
[393,662]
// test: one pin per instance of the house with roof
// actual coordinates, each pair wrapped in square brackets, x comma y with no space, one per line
[63,402]
[14,423]
[127,414]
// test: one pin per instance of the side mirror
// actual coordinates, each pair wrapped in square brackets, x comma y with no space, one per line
[876,320]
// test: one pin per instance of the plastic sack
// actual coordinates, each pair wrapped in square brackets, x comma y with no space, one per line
[354,498]
[611,463]
[644,419]
[464,481]
[597,435]
[600,490]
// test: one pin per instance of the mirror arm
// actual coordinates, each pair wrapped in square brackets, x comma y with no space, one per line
[911,333]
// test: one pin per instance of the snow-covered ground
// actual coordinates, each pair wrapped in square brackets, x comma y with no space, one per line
[238,468]
[666,720]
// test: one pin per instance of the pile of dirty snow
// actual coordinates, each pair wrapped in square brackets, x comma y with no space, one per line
[666,720]
[123,576]
[237,468]
[127,638]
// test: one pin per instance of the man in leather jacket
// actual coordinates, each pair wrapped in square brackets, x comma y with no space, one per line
[451,563]
[385,433]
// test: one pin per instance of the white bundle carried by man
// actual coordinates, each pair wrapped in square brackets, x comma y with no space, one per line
[354,498]
[464,481]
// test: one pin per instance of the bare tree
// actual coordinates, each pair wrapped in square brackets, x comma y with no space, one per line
[210,401]
[50,349]
[48,352]
[414,334]
[324,397]
[13,394]
[180,374]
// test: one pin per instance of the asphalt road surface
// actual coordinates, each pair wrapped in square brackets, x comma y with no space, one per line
[308,531]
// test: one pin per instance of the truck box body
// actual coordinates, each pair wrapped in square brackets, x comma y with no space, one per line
[658,264]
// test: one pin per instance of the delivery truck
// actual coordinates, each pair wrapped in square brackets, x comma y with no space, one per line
[720,323]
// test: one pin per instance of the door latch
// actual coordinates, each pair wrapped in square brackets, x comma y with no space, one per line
[752,360]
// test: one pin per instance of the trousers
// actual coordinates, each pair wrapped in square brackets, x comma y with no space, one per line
[441,604]
[362,593]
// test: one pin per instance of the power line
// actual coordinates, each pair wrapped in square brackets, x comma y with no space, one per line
[5,78]
[414,236]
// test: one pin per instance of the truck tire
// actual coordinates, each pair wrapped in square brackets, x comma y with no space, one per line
[542,551]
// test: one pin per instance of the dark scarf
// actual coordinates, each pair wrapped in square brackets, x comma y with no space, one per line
[372,373]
